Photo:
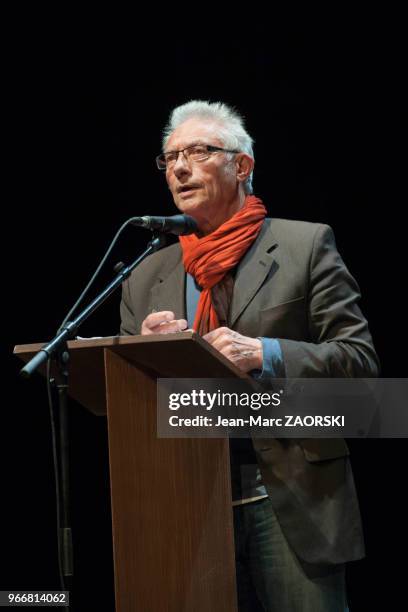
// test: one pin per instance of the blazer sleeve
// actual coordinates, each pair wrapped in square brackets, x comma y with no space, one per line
[341,344]
[128,325]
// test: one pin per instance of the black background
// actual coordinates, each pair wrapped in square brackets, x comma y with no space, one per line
[324,104]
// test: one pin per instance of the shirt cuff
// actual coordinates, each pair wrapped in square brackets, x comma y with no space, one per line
[272,365]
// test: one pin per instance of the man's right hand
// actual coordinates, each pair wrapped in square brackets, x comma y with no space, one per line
[162,323]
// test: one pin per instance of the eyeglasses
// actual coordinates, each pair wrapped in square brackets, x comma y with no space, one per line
[193,153]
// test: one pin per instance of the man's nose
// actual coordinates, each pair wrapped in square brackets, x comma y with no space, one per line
[181,166]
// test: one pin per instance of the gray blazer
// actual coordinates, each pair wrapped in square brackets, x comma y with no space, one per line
[292,285]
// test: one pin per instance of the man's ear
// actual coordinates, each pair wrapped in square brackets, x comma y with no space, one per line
[245,165]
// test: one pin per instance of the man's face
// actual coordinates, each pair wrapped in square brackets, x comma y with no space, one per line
[207,190]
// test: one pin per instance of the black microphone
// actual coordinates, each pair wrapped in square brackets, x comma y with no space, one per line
[181,225]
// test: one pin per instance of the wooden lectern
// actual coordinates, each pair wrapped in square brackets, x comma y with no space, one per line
[172,520]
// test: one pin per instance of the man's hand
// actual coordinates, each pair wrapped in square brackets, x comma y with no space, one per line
[245,353]
[162,323]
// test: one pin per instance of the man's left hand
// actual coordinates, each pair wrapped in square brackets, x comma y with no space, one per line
[245,353]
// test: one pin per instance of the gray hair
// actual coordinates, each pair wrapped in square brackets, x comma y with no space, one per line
[231,127]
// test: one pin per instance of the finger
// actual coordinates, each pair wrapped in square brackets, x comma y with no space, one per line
[222,343]
[215,333]
[155,318]
[168,327]
[177,324]
[226,339]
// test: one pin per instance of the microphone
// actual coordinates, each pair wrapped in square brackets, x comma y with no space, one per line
[181,225]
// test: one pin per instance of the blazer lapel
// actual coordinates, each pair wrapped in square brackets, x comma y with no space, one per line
[252,270]
[169,291]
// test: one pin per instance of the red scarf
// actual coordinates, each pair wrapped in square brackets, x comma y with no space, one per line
[208,259]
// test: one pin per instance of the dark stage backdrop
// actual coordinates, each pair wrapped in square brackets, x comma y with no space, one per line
[325,111]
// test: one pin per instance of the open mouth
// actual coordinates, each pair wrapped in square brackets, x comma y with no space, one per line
[187,189]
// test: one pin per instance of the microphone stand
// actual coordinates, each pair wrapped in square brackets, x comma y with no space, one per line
[58,349]
[70,328]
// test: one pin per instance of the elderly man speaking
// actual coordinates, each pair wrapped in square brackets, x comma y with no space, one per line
[275,297]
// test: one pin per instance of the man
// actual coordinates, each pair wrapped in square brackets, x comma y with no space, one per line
[275,297]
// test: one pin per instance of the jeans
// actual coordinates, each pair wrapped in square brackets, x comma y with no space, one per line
[270,578]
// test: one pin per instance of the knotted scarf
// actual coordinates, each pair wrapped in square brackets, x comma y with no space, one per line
[211,257]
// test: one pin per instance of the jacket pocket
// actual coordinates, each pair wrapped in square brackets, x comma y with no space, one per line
[323,449]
